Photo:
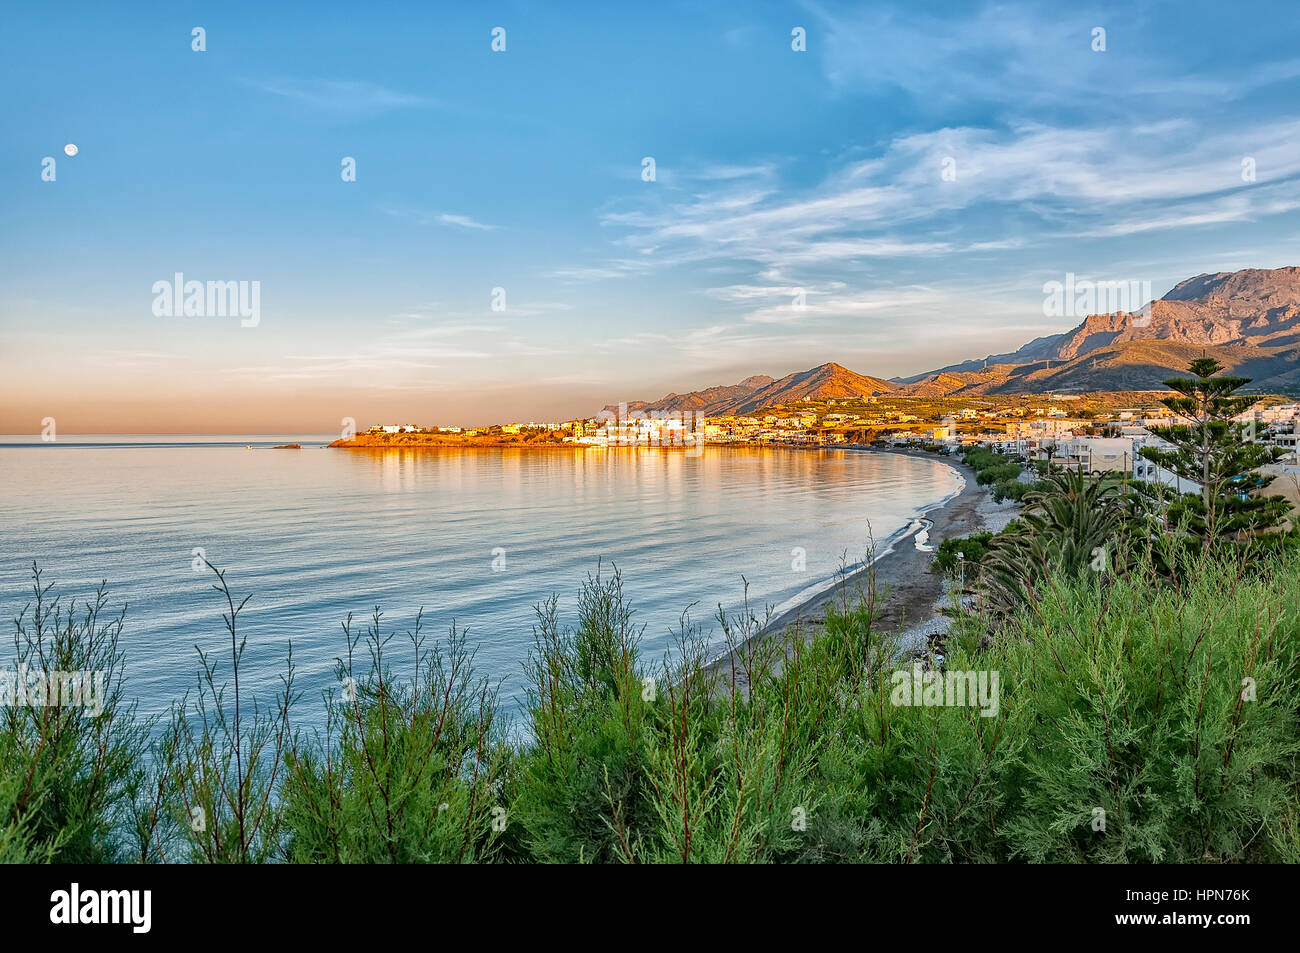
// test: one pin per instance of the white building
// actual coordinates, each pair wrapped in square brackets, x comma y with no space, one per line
[1100,454]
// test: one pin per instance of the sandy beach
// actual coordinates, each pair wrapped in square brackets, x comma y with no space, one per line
[911,593]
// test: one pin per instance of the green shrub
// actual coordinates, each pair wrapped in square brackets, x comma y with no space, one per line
[972,547]
[998,473]
[628,766]
[408,769]
[69,772]
[981,458]
[1144,717]
[1170,708]
[1126,699]
[220,765]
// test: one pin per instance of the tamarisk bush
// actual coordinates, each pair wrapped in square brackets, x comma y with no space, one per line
[68,772]
[407,770]
[1142,716]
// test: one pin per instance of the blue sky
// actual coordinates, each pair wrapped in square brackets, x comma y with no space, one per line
[776,170]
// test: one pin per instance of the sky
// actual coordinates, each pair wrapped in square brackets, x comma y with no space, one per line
[892,197]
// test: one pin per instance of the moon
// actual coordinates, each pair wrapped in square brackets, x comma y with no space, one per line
[70,149]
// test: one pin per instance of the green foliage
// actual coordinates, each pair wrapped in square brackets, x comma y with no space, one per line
[1158,700]
[994,469]
[220,764]
[981,458]
[1219,455]
[1169,708]
[630,767]
[68,772]
[1001,472]
[972,547]
[407,770]
[1004,472]
[1124,703]
[583,782]
[1073,525]
[1016,489]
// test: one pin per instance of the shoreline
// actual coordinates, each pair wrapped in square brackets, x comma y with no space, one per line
[357,443]
[910,593]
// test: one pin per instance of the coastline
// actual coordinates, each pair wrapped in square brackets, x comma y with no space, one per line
[911,595]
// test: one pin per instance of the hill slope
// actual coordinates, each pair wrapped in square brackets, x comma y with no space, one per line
[1249,320]
[711,400]
[826,382]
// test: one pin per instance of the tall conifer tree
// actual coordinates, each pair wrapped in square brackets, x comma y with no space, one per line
[1219,454]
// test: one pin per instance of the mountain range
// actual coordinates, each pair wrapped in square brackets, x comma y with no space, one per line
[1249,320]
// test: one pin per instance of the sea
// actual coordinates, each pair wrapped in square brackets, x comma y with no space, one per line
[477,537]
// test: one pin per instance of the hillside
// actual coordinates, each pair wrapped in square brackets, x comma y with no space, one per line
[711,400]
[944,383]
[826,382]
[1249,319]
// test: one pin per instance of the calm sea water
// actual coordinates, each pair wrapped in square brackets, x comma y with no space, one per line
[315,534]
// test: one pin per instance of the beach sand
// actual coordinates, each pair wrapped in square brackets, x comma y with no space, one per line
[911,595]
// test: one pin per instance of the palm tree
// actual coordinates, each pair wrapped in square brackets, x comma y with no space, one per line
[1072,523]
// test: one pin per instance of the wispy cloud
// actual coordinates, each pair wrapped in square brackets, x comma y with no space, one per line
[464,221]
[125,358]
[1019,57]
[1057,182]
[613,268]
[342,98]
[789,304]
[420,217]
[1013,202]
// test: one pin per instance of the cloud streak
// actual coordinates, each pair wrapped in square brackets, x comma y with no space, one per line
[342,98]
